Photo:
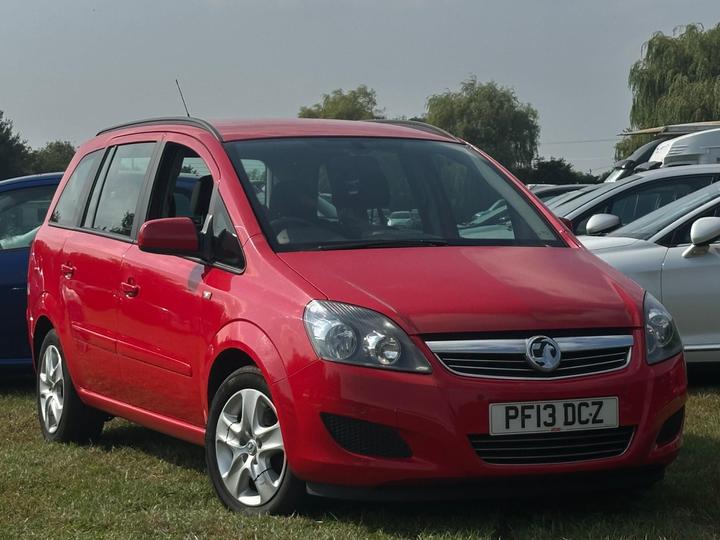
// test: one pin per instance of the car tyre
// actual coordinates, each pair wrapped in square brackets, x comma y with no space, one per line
[62,414]
[244,448]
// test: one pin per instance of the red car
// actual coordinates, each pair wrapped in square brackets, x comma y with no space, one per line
[271,314]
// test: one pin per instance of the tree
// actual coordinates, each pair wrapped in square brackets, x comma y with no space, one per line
[491,117]
[358,104]
[676,80]
[553,171]
[54,156]
[14,152]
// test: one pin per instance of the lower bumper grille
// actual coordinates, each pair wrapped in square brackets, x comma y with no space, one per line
[367,438]
[560,447]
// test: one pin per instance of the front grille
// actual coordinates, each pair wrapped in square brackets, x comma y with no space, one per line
[367,438]
[505,358]
[557,447]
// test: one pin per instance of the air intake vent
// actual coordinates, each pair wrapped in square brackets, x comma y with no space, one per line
[367,438]
[561,447]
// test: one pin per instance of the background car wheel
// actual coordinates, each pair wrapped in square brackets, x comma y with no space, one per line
[245,451]
[63,416]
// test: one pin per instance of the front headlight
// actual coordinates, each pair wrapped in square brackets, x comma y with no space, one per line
[661,336]
[355,335]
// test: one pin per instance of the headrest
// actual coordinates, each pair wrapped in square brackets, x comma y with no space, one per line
[358,183]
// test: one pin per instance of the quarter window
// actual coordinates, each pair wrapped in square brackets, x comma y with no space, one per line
[225,243]
[65,212]
[120,191]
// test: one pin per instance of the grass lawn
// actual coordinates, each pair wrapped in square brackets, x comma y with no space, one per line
[138,484]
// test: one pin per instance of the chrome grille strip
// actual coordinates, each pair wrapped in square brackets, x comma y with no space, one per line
[505,358]
[517,346]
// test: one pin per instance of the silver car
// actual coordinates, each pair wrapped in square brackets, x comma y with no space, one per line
[674,253]
[631,198]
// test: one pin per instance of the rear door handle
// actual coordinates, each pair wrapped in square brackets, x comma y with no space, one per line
[130,289]
[67,270]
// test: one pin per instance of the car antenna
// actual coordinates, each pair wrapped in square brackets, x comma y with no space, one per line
[182,98]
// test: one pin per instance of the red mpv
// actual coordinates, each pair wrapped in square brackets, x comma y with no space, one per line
[351,309]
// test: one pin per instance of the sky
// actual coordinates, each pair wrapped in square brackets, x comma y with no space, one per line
[70,68]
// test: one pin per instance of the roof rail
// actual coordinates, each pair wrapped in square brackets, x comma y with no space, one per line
[180,120]
[415,124]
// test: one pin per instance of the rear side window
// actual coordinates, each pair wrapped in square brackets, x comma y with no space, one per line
[66,210]
[118,193]
[21,213]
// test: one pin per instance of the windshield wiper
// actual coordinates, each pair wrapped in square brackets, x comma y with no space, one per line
[372,244]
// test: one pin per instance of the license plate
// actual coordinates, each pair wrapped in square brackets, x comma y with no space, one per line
[549,416]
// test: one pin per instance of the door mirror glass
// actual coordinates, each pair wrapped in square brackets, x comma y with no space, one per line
[169,236]
[602,224]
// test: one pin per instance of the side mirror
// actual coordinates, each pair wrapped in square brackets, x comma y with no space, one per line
[702,234]
[601,224]
[169,236]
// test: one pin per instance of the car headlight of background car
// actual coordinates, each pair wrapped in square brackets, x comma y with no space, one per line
[354,335]
[662,339]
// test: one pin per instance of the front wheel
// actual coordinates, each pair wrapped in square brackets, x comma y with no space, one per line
[245,451]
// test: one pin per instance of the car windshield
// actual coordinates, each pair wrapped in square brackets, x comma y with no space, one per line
[654,222]
[382,192]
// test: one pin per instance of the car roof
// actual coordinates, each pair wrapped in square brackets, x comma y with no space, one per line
[31,180]
[234,130]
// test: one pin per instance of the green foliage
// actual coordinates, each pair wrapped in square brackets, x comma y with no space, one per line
[14,152]
[677,80]
[491,117]
[358,104]
[553,171]
[54,156]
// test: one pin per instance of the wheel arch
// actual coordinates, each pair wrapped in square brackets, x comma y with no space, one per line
[239,344]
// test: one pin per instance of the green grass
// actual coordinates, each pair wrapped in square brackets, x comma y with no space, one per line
[138,484]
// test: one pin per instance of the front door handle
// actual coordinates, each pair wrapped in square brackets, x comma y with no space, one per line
[130,288]
[67,270]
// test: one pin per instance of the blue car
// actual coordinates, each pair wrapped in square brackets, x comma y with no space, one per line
[23,205]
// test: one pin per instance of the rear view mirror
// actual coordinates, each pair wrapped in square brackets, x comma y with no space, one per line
[602,223]
[169,236]
[704,231]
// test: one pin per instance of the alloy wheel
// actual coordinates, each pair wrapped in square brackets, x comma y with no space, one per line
[249,448]
[51,388]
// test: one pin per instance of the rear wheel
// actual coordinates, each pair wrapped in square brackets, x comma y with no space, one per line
[63,416]
[245,451]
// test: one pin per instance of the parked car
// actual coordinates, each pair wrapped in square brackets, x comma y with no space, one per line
[692,149]
[23,204]
[674,253]
[641,158]
[626,167]
[339,356]
[404,219]
[624,201]
[546,192]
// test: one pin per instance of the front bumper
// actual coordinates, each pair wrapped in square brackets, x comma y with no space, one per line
[434,414]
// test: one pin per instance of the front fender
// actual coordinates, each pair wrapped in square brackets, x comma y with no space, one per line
[246,337]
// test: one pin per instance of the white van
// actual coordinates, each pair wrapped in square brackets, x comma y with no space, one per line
[692,149]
